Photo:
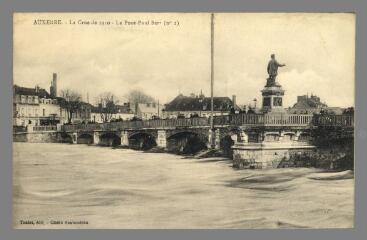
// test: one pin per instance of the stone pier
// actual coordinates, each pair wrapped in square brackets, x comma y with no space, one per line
[162,139]
[216,140]
[125,138]
[272,149]
[74,138]
[96,138]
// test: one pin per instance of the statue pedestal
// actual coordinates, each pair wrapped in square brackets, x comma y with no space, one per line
[273,98]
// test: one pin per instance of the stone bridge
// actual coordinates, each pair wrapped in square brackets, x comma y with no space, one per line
[194,134]
[252,140]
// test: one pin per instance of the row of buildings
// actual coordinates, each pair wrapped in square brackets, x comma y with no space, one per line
[36,106]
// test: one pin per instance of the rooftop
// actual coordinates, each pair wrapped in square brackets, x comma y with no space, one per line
[37,91]
[306,102]
[118,109]
[199,103]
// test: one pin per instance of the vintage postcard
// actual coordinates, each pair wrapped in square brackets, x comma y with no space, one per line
[183,120]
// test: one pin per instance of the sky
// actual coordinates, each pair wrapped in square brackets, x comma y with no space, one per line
[165,60]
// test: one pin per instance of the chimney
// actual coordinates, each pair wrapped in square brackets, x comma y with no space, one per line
[53,88]
[234,100]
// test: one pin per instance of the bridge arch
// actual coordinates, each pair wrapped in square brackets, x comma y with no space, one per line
[109,139]
[66,138]
[142,140]
[187,142]
[85,138]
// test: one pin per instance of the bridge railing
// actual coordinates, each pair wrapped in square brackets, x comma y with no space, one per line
[345,120]
[287,119]
[158,123]
[238,119]
[271,119]
[19,129]
[44,128]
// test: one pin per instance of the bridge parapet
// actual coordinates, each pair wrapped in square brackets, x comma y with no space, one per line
[250,120]
[268,119]
[147,124]
[44,128]
[345,120]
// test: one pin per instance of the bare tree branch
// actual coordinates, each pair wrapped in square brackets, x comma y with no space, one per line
[107,105]
[71,102]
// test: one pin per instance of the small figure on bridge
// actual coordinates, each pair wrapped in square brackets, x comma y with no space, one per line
[273,71]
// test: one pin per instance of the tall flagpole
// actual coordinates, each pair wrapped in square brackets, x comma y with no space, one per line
[212,144]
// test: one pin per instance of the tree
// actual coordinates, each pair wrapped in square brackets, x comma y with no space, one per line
[137,96]
[349,111]
[107,105]
[71,102]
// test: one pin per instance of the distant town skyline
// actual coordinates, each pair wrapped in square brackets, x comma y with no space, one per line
[164,61]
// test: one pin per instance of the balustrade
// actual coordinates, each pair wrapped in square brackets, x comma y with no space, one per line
[267,119]
[44,128]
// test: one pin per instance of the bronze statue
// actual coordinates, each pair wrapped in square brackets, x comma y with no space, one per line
[273,71]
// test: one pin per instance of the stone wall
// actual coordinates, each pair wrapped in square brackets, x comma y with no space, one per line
[267,158]
[334,149]
[38,137]
[19,137]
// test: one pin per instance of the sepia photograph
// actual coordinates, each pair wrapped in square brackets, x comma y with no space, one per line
[183,120]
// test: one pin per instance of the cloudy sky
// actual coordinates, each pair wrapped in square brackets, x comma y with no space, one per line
[163,61]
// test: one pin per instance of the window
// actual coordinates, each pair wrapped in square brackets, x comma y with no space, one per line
[277,101]
[43,112]
[267,102]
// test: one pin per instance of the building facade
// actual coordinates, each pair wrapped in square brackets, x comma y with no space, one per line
[120,113]
[187,106]
[81,113]
[34,106]
[312,104]
[146,111]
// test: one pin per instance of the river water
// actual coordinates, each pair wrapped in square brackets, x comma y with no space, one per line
[101,187]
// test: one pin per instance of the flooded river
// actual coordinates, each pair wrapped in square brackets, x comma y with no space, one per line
[80,186]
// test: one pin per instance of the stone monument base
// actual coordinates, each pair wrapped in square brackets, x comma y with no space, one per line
[268,155]
[272,98]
